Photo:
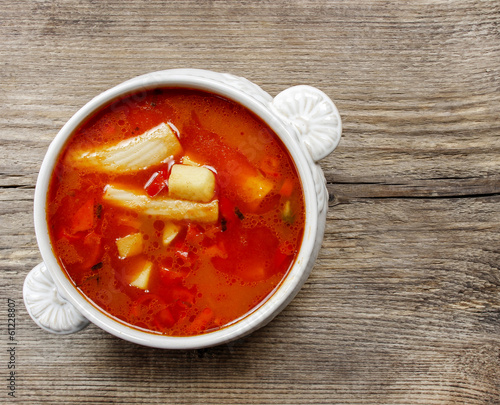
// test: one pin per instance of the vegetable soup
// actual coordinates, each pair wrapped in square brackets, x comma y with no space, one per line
[175,211]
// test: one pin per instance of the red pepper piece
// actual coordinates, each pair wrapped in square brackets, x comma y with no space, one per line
[157,182]
[164,319]
[227,208]
[279,258]
[281,261]
[195,234]
[182,250]
[168,277]
[179,310]
[186,258]
[182,294]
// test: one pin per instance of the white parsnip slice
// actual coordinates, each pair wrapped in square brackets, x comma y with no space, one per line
[178,210]
[151,148]
[126,198]
[192,183]
[167,208]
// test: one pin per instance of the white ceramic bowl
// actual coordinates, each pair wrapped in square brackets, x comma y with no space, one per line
[303,117]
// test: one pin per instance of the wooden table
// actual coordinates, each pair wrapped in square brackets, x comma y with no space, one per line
[403,306]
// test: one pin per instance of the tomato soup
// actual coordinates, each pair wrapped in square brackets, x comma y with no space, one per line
[175,211]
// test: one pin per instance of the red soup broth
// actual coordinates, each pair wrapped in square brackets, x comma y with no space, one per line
[180,276]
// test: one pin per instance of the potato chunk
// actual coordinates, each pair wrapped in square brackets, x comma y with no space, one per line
[151,148]
[170,231]
[191,183]
[255,188]
[141,279]
[130,245]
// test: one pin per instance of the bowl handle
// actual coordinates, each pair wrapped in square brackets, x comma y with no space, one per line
[314,117]
[316,123]
[47,307]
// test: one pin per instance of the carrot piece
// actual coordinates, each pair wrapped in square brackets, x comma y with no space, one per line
[256,273]
[92,245]
[287,188]
[270,166]
[83,220]
[201,321]
[217,250]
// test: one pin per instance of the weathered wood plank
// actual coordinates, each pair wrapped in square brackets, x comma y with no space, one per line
[403,306]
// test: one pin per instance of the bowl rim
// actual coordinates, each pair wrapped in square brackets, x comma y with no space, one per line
[257,317]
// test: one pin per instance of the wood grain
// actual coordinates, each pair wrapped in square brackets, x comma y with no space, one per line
[403,306]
